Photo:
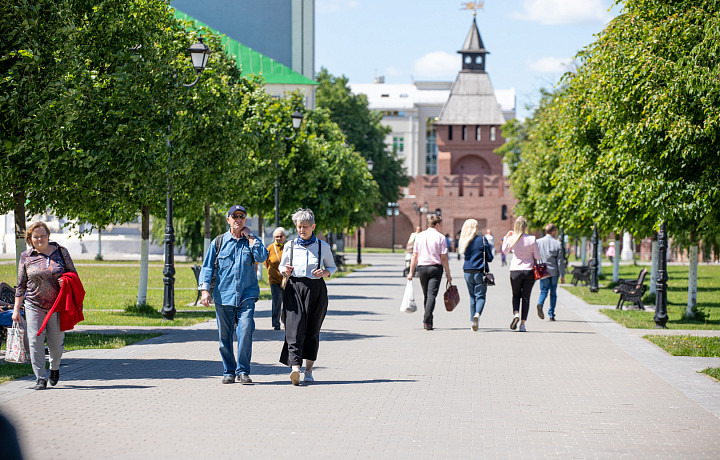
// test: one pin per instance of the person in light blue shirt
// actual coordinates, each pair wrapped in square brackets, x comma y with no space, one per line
[235,291]
[305,296]
[550,252]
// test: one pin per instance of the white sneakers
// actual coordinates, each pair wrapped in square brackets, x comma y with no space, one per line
[295,377]
[308,377]
[475,320]
[522,328]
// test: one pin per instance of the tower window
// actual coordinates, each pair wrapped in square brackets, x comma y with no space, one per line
[478,59]
[478,133]
[468,60]
[464,133]
[492,133]
[450,132]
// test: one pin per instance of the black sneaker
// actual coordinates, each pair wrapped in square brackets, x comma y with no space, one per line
[514,322]
[228,379]
[40,384]
[244,378]
[54,377]
[552,318]
[541,315]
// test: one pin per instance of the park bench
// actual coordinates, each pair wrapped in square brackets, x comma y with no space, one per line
[7,299]
[631,290]
[340,262]
[196,270]
[581,273]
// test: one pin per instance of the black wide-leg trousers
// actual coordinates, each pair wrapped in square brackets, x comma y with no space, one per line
[306,303]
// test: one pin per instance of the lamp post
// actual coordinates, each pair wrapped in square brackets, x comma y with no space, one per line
[420,210]
[297,118]
[661,280]
[594,261]
[370,165]
[393,211]
[199,53]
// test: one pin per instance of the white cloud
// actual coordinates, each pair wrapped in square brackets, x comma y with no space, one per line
[564,11]
[550,65]
[437,64]
[335,5]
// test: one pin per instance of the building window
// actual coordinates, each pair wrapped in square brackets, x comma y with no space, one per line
[492,133]
[478,133]
[464,133]
[450,132]
[431,149]
[399,144]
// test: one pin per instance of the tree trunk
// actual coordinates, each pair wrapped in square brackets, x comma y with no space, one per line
[583,249]
[599,256]
[20,227]
[654,266]
[208,235]
[692,280]
[144,251]
[616,261]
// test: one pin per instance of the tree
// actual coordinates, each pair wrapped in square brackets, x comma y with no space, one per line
[364,133]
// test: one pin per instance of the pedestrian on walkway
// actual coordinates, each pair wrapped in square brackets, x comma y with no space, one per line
[478,254]
[525,253]
[550,250]
[409,250]
[38,286]
[491,240]
[228,274]
[430,257]
[274,276]
[305,297]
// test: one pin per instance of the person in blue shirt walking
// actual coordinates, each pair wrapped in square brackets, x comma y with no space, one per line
[478,254]
[235,291]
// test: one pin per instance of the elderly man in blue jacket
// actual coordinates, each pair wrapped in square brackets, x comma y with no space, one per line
[228,274]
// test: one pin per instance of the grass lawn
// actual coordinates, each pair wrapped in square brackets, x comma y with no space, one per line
[76,341]
[708,298]
[713,372]
[687,345]
[112,285]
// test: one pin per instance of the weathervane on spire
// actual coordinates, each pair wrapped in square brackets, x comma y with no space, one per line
[474,6]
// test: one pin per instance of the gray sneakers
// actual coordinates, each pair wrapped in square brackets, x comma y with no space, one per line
[308,377]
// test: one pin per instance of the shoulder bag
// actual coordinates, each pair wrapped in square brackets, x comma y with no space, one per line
[540,270]
[488,278]
[451,296]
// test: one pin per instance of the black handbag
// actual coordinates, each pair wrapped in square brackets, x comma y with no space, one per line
[488,278]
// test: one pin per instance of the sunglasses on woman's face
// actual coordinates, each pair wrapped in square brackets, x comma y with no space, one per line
[238,216]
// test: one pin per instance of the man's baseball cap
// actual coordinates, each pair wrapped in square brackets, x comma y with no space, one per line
[237,207]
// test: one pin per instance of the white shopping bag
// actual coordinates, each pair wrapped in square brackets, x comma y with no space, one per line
[15,346]
[408,301]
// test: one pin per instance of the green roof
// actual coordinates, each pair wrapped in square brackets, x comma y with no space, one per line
[250,62]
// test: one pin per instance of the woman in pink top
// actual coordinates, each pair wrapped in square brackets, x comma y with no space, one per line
[525,252]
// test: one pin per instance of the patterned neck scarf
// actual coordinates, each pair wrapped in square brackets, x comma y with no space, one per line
[306,243]
[278,244]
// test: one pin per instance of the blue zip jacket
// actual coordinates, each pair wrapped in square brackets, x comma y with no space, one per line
[474,254]
[236,280]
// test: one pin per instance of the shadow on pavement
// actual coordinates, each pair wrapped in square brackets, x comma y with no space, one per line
[102,387]
[354,297]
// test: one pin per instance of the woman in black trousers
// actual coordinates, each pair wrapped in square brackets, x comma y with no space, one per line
[305,296]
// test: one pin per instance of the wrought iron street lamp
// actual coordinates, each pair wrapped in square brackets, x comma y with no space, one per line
[393,211]
[594,287]
[370,165]
[661,316]
[420,210]
[199,53]
[297,118]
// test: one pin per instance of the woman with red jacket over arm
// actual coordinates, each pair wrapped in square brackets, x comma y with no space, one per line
[38,287]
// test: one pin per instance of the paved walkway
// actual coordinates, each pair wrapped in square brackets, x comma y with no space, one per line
[581,387]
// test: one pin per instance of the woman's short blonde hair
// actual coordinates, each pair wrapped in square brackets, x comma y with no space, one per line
[31,229]
[468,232]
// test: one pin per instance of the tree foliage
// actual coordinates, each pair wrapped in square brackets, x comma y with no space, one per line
[365,133]
[630,139]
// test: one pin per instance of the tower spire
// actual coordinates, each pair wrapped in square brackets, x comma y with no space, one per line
[473,50]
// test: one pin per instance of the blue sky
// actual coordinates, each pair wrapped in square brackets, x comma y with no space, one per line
[531,42]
